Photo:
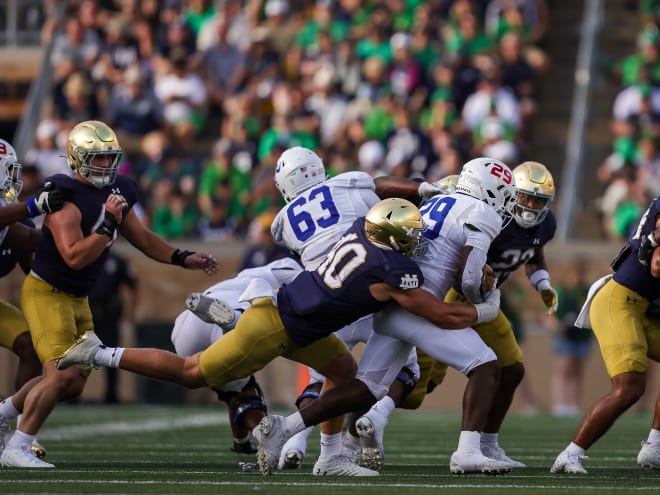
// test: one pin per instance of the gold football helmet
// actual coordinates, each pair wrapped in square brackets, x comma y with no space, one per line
[536,190]
[10,173]
[88,141]
[397,225]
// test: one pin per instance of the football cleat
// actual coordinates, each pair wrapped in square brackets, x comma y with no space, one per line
[273,438]
[649,455]
[209,309]
[570,464]
[81,353]
[371,439]
[38,449]
[475,462]
[340,465]
[496,452]
[291,459]
[22,457]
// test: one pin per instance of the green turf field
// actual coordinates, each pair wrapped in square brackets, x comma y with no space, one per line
[185,450]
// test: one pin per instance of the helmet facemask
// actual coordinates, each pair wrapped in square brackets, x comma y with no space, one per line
[536,190]
[88,141]
[11,182]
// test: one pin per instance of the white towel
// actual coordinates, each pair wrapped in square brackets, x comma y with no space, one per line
[582,320]
[257,289]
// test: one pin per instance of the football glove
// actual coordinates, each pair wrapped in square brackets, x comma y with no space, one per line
[48,199]
[427,190]
[549,296]
[646,247]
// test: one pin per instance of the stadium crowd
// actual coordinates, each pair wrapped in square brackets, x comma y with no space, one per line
[205,95]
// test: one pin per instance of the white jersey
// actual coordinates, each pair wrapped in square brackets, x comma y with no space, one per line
[315,220]
[397,331]
[446,220]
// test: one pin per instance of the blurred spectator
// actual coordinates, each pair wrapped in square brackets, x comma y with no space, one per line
[183,96]
[134,110]
[223,66]
[232,13]
[491,98]
[571,345]
[282,25]
[48,155]
[174,215]
[77,101]
[370,158]
[263,248]
[77,43]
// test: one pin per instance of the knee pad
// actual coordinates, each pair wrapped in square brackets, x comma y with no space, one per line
[312,391]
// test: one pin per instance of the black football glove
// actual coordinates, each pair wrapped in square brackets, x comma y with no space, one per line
[49,198]
[646,247]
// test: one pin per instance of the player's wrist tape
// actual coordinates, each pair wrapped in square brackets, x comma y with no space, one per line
[108,226]
[179,257]
[538,277]
[32,207]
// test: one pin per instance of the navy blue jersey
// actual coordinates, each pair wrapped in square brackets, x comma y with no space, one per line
[514,245]
[9,256]
[48,263]
[632,274]
[337,293]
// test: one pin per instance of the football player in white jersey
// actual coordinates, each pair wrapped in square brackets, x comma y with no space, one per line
[317,213]
[205,321]
[459,227]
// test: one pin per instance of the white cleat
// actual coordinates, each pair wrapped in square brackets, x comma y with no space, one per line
[38,449]
[371,439]
[476,462]
[4,428]
[22,457]
[649,455]
[273,438]
[570,464]
[81,353]
[209,309]
[496,452]
[340,465]
[291,459]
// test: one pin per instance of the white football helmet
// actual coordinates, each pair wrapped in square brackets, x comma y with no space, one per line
[491,181]
[10,173]
[297,170]
[536,190]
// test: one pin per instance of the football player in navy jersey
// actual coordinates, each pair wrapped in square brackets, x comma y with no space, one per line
[18,239]
[366,269]
[98,204]
[627,336]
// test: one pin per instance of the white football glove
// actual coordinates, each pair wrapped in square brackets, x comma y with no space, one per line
[427,190]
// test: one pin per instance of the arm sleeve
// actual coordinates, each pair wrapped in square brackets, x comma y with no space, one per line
[472,273]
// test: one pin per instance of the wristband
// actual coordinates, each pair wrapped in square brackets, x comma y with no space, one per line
[108,226]
[179,257]
[537,277]
[33,209]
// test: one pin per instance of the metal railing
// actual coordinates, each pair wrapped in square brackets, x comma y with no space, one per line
[572,170]
[21,22]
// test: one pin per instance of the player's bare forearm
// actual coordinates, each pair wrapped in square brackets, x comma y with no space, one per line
[396,187]
[13,213]
[449,316]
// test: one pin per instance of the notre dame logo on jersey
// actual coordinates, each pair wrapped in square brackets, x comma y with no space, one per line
[409,282]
